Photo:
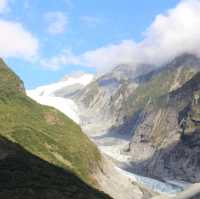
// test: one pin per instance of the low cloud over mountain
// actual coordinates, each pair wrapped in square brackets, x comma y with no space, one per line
[171,33]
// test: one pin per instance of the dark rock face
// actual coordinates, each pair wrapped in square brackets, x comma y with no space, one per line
[176,162]
[105,96]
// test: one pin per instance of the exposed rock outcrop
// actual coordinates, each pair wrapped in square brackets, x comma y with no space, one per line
[168,136]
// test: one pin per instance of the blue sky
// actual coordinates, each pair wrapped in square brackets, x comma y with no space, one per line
[67,28]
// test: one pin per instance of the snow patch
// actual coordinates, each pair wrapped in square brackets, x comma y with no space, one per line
[49,90]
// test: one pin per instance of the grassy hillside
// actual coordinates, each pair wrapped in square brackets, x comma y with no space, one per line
[25,176]
[43,131]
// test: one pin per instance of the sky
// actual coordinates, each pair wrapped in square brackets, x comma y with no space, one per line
[43,40]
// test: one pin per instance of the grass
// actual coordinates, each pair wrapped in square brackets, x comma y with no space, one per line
[25,176]
[44,131]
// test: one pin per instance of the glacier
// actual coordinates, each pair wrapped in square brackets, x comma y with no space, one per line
[45,95]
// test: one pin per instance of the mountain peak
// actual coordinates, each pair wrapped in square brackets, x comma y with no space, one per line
[186,59]
[78,78]
[131,71]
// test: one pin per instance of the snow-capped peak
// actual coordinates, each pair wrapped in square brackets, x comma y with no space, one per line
[79,78]
[49,90]
[46,94]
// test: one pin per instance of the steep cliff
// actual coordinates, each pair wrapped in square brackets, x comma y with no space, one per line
[168,135]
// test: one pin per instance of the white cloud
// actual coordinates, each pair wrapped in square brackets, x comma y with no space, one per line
[175,32]
[57,22]
[3,5]
[16,41]
[103,58]
[106,57]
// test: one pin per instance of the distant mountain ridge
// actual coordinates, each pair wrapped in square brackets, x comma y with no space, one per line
[118,98]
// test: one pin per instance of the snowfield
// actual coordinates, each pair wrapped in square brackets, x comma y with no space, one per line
[66,106]
[45,95]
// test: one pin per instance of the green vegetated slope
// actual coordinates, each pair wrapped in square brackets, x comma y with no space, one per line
[25,176]
[44,131]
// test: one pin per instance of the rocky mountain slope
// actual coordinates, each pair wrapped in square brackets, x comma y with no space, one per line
[44,154]
[118,97]
[148,109]
[105,96]
[168,135]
